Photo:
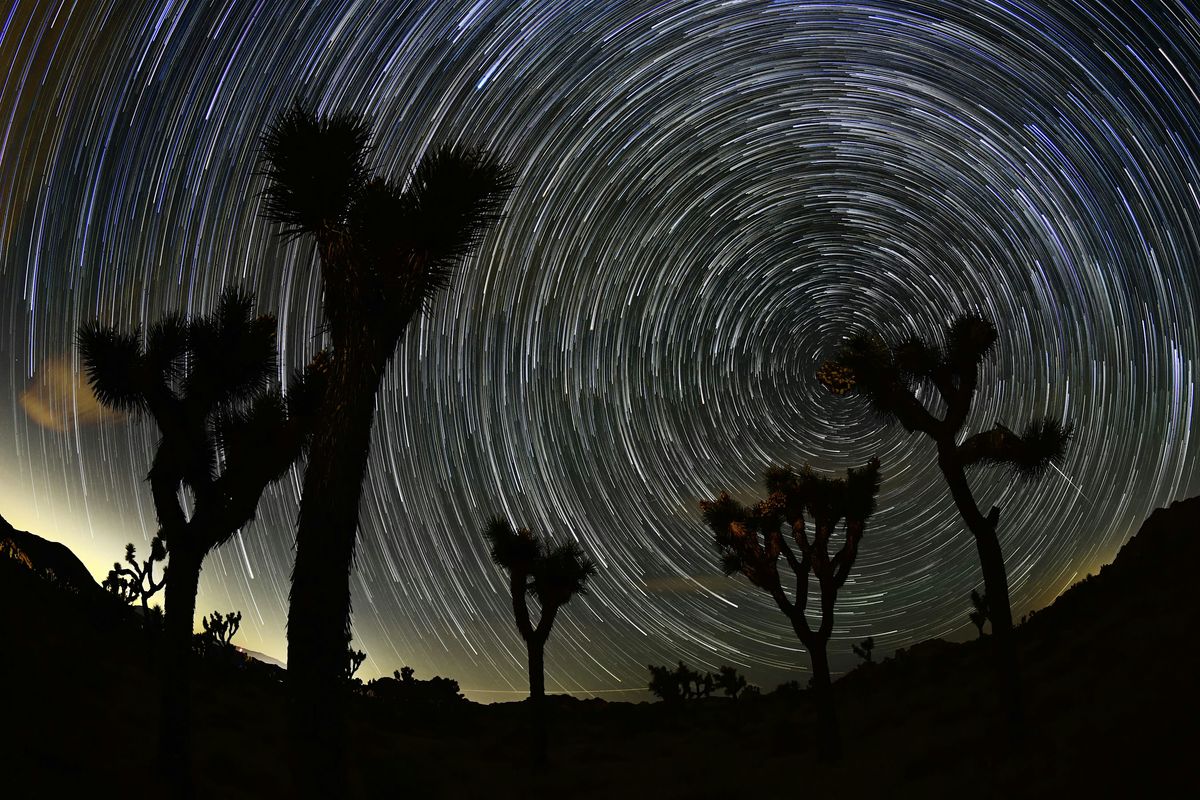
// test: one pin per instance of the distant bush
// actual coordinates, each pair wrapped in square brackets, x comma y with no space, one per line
[403,687]
[787,691]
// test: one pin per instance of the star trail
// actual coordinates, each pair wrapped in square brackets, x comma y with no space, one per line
[711,196]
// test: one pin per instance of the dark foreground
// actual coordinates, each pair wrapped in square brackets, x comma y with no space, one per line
[1109,678]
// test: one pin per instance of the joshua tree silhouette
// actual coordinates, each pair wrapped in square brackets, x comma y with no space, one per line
[137,582]
[665,683]
[223,436]
[888,377]
[386,249]
[684,683]
[749,541]
[219,629]
[731,682]
[354,660]
[863,650]
[979,611]
[552,575]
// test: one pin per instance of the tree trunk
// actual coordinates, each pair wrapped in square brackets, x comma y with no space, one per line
[319,610]
[537,700]
[183,578]
[537,669]
[829,742]
[995,585]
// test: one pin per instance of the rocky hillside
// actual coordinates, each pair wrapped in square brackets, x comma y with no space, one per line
[1108,677]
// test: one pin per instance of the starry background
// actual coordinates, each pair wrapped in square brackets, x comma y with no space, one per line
[711,195]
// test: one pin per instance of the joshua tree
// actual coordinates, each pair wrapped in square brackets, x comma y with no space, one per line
[136,582]
[979,614]
[683,683]
[219,629]
[749,540]
[889,378]
[354,660]
[730,682]
[552,575]
[386,249]
[863,650]
[223,436]
[664,684]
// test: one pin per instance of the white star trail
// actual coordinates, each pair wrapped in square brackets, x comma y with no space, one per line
[711,195]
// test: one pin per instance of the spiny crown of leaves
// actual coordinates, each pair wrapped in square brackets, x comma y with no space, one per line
[315,165]
[215,360]
[417,235]
[515,551]
[1042,444]
[455,193]
[557,572]
[123,375]
[231,352]
[265,435]
[560,574]
[742,534]
[866,364]
[409,237]
[825,498]
[970,338]
[747,537]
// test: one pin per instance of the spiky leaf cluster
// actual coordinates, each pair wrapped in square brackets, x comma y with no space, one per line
[555,573]
[886,377]
[316,166]
[387,248]
[231,352]
[746,537]
[208,362]
[219,629]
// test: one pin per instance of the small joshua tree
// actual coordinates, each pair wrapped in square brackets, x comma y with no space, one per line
[692,684]
[730,682]
[552,575]
[979,614]
[864,649]
[664,684]
[889,377]
[219,629]
[354,660]
[749,540]
[136,581]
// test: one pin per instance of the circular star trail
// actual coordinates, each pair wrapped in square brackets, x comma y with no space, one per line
[712,195]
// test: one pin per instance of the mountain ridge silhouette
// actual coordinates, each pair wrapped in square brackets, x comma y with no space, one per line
[1109,683]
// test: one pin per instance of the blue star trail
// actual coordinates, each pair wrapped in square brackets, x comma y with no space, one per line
[712,195]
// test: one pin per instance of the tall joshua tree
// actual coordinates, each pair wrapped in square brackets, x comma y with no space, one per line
[749,540]
[386,248]
[552,575]
[224,437]
[889,376]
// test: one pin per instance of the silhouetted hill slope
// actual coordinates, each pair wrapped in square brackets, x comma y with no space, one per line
[1109,686]
[47,557]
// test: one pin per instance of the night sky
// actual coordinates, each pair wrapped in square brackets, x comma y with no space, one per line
[711,195]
